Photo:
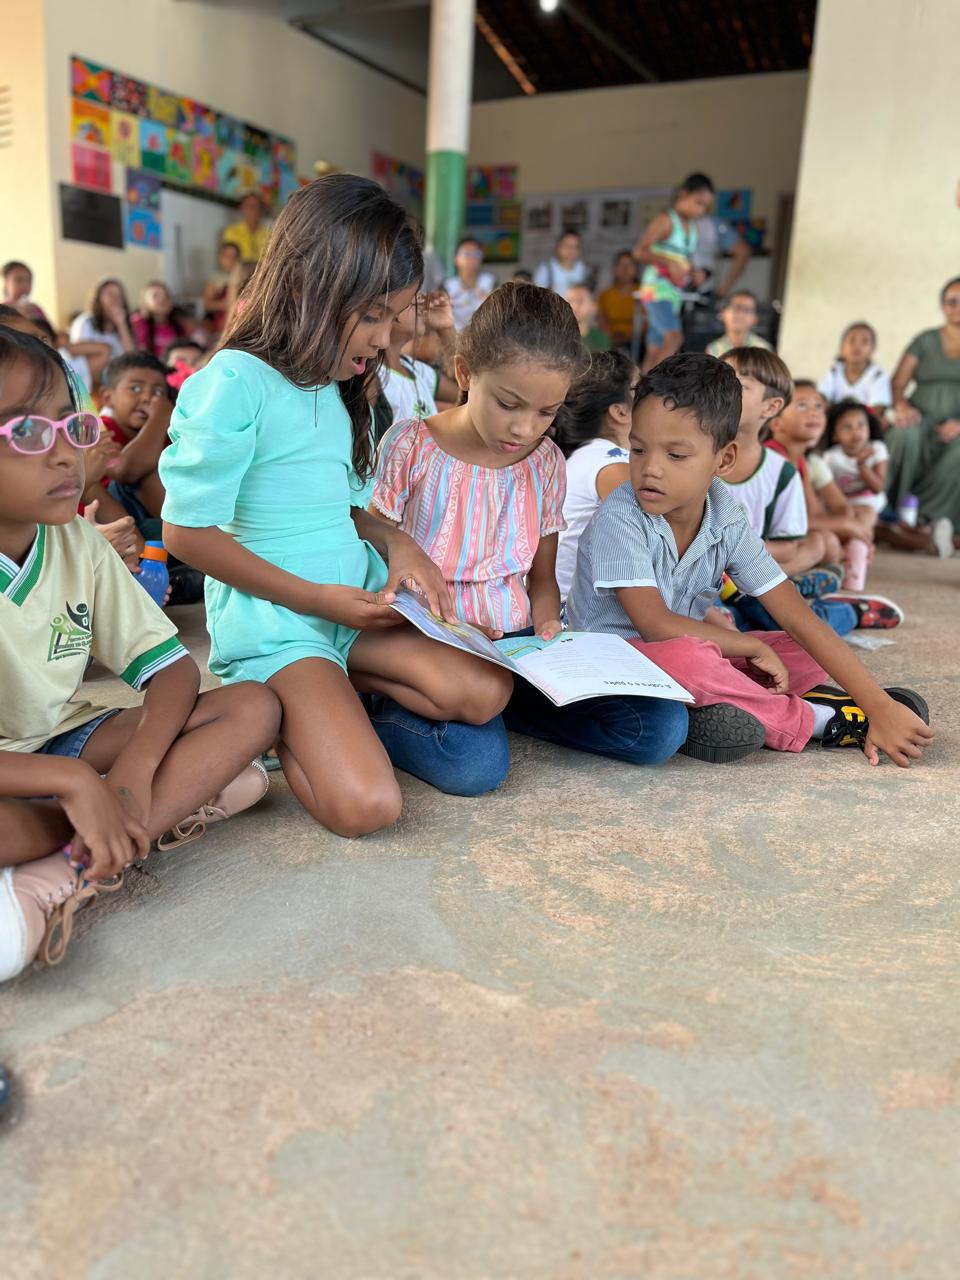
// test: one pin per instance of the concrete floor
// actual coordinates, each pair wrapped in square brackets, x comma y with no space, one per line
[609,1023]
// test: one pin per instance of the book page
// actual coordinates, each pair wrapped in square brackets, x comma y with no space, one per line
[460,635]
[579,665]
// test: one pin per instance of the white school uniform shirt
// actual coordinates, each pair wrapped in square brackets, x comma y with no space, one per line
[412,393]
[871,388]
[551,275]
[846,472]
[465,301]
[84,330]
[772,498]
[582,500]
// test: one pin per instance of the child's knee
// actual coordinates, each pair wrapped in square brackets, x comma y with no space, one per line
[258,707]
[832,549]
[361,808]
[483,696]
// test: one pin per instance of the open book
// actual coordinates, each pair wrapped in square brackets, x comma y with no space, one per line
[574,666]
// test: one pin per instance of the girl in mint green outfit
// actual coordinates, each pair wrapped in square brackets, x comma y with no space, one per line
[266,478]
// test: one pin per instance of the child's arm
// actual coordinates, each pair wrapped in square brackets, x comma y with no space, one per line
[658,228]
[215,553]
[543,590]
[101,825]
[141,456]
[169,699]
[834,513]
[652,619]
[783,550]
[406,562]
[894,728]
[873,474]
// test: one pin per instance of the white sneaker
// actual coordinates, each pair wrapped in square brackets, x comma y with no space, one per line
[941,531]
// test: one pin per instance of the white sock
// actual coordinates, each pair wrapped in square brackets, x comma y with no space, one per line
[821,718]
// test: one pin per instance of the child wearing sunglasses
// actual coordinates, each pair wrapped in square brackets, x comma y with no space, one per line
[84,790]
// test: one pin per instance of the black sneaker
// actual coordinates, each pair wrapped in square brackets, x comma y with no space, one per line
[722,733]
[849,724]
[186,585]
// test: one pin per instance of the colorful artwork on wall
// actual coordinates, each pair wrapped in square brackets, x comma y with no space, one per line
[733,204]
[143,227]
[89,123]
[90,166]
[403,181]
[90,81]
[183,143]
[125,138]
[498,182]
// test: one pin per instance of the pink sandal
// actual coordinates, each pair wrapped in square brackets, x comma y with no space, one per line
[246,790]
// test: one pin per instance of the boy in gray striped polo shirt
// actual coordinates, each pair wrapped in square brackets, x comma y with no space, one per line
[651,561]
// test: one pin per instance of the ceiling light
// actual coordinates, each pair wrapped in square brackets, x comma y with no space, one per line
[549,6]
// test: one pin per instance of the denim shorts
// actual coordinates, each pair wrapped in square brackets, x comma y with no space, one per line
[73,741]
[663,317]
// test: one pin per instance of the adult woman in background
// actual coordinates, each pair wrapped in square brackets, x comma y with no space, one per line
[924,442]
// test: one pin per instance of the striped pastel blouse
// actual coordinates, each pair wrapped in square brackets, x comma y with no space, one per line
[480,525]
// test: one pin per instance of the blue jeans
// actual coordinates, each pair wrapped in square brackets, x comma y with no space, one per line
[750,615]
[636,730]
[459,759]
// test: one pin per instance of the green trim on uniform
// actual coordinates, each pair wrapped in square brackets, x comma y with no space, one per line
[445,203]
[18,588]
[144,668]
[787,472]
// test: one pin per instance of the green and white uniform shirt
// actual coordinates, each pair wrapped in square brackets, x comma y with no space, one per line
[772,499]
[72,598]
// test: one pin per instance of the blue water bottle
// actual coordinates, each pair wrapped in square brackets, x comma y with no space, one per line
[153,575]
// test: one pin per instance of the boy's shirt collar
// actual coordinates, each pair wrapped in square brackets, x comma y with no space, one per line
[719,512]
[18,580]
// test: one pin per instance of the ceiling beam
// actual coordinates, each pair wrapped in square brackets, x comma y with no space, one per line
[576,14]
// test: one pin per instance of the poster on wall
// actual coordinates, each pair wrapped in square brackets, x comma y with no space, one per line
[90,216]
[402,181]
[90,167]
[185,143]
[607,221]
[143,227]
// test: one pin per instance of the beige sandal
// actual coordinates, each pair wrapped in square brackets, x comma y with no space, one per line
[246,790]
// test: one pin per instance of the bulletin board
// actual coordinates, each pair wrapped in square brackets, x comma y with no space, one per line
[130,138]
[607,221]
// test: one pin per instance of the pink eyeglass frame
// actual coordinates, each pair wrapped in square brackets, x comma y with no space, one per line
[7,429]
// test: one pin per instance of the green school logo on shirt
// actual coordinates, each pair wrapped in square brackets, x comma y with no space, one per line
[70,633]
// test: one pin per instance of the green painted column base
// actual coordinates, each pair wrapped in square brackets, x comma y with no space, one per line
[444,203]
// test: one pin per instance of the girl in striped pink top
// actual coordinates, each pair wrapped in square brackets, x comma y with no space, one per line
[480,488]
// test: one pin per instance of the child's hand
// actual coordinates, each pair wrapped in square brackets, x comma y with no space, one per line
[550,630]
[905,415]
[121,534]
[106,837]
[408,564]
[361,610]
[897,731]
[766,660]
[679,275]
[438,311]
[96,461]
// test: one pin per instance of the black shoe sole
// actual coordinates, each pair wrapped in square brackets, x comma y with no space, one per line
[910,698]
[721,734]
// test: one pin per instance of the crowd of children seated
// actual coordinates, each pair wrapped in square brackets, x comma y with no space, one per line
[324,436]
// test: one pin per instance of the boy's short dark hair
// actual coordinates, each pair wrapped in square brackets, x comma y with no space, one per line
[467,240]
[766,367]
[568,231]
[120,365]
[695,182]
[703,386]
[13,265]
[178,346]
[741,293]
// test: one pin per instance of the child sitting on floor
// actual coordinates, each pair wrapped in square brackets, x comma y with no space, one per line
[847,530]
[136,408]
[591,431]
[652,559]
[64,597]
[584,306]
[854,450]
[739,315]
[854,375]
[481,489]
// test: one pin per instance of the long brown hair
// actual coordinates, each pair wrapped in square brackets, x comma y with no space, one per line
[339,246]
[95,305]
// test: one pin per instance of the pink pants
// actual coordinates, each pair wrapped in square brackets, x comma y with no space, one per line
[702,669]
